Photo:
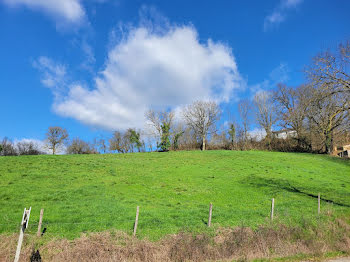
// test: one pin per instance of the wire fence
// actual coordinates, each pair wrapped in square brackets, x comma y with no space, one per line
[71,220]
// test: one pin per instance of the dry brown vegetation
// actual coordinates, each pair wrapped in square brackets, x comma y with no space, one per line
[240,243]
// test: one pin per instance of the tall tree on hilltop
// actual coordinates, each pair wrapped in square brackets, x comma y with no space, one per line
[202,117]
[330,116]
[120,142]
[292,111]
[329,75]
[165,139]
[55,138]
[244,109]
[232,135]
[135,139]
[330,70]
[161,123]
[265,113]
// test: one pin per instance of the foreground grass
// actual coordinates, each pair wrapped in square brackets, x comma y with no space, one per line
[84,193]
[305,257]
[271,242]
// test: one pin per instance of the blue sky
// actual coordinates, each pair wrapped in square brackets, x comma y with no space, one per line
[93,66]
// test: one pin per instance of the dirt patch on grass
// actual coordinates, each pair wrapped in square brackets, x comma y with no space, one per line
[227,244]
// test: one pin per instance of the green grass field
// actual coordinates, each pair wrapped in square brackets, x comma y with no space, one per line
[84,193]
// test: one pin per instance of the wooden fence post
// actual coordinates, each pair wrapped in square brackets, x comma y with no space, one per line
[319,203]
[24,225]
[136,220]
[272,207]
[210,212]
[40,222]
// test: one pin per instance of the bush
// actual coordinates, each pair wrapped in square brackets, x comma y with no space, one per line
[28,148]
[8,149]
[79,146]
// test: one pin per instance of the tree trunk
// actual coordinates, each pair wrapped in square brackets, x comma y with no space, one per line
[53,149]
[268,138]
[328,142]
[203,143]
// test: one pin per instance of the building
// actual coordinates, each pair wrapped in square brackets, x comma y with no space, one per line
[342,151]
[284,133]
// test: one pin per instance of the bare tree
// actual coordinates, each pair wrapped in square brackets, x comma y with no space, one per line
[187,140]
[244,108]
[329,74]
[220,140]
[100,145]
[157,118]
[202,117]
[78,146]
[120,142]
[161,124]
[28,148]
[329,116]
[176,135]
[265,113]
[292,110]
[330,70]
[8,148]
[55,138]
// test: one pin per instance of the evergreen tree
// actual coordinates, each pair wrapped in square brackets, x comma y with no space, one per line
[176,140]
[165,138]
[135,139]
[232,134]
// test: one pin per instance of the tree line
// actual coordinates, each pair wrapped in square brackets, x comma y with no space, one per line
[313,117]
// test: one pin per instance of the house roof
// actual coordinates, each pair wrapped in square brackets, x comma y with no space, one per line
[283,131]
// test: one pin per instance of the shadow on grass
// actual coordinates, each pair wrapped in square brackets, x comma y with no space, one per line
[278,185]
[344,161]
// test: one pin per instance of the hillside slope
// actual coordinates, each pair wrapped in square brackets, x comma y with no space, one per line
[82,193]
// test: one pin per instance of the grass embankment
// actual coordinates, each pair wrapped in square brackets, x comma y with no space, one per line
[91,193]
[266,243]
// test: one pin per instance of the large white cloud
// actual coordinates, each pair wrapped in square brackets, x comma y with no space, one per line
[148,69]
[70,11]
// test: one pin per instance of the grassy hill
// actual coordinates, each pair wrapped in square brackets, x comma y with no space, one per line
[83,193]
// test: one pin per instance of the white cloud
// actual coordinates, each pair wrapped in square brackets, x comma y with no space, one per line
[53,75]
[258,134]
[63,11]
[291,3]
[89,55]
[280,74]
[279,14]
[151,69]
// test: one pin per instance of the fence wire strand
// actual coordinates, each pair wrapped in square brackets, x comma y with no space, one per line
[123,218]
